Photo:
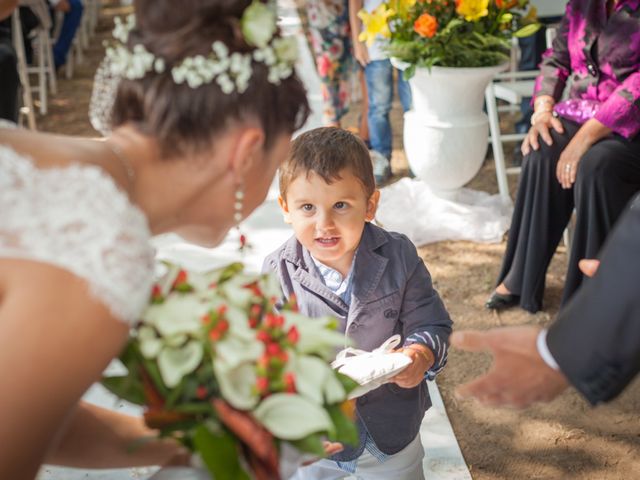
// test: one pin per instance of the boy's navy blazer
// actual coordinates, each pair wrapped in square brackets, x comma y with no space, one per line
[392,293]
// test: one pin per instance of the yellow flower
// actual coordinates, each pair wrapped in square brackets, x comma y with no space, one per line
[472,10]
[375,23]
[401,6]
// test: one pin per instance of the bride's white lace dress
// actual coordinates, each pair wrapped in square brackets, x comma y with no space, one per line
[76,218]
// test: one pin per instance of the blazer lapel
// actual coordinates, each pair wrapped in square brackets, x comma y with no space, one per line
[368,268]
[308,276]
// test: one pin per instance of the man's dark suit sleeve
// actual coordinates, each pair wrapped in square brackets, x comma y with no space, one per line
[596,338]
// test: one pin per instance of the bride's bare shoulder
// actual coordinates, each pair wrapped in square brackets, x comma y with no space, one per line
[47,150]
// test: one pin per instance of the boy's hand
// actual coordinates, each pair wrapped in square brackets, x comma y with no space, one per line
[422,360]
[361,52]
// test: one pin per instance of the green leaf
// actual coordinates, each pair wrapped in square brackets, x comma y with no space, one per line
[527,30]
[346,430]
[219,452]
[409,71]
[127,388]
[311,444]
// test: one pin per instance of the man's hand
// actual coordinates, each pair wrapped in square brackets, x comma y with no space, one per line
[518,377]
[422,360]
[589,266]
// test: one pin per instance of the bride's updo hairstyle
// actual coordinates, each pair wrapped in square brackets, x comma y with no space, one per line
[184,119]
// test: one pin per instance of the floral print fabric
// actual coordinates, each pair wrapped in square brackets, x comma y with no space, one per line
[599,54]
[331,43]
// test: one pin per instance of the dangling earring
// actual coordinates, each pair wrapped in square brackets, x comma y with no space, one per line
[237,216]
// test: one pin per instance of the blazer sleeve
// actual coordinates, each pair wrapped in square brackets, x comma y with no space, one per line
[596,338]
[424,317]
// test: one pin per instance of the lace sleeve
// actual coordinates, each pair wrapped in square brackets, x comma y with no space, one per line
[76,218]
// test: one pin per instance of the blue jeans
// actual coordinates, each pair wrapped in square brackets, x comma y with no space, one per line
[68,31]
[379,77]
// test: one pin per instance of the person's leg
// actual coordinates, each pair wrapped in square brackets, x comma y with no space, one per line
[379,77]
[321,470]
[363,123]
[331,43]
[608,177]
[541,212]
[404,465]
[68,31]
[9,80]
[404,92]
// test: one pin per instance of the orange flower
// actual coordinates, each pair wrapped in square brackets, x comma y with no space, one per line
[426,25]
[506,4]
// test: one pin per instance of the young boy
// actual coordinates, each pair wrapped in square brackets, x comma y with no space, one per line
[374,283]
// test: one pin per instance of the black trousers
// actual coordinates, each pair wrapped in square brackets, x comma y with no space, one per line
[608,176]
[9,81]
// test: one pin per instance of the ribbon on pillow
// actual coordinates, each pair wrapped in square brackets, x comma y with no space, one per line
[371,369]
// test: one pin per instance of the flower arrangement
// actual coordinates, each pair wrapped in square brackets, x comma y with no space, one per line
[448,33]
[219,370]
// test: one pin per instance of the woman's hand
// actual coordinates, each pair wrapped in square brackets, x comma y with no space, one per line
[541,128]
[567,168]
[361,52]
[422,360]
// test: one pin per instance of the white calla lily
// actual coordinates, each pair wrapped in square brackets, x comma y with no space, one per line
[292,417]
[315,337]
[177,314]
[175,363]
[237,384]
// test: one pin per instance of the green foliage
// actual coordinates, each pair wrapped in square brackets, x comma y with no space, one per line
[219,452]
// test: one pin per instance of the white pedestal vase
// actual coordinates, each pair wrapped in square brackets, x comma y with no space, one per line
[446,132]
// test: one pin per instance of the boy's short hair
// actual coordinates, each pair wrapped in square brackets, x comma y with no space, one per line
[327,151]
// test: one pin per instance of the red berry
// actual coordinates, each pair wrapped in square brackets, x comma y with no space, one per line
[262,384]
[293,335]
[273,349]
[253,322]
[215,335]
[290,382]
[201,392]
[222,309]
[222,326]
[283,357]
[263,336]
[206,319]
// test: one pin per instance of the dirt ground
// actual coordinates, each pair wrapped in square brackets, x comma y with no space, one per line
[566,439]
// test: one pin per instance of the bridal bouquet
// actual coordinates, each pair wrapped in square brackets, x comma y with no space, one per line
[219,370]
[448,33]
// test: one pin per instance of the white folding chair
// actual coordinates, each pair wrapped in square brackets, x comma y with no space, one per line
[510,87]
[26,110]
[43,66]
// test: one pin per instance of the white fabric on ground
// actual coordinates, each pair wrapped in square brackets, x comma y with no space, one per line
[410,207]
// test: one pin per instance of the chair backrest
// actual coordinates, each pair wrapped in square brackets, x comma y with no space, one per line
[40,9]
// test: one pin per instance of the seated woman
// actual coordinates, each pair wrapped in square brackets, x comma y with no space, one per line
[582,153]
[76,216]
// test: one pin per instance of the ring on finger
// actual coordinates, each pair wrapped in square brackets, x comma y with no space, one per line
[567,168]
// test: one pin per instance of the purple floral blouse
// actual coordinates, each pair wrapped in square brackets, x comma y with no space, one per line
[600,56]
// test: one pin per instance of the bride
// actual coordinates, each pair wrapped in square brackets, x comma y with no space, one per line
[194,147]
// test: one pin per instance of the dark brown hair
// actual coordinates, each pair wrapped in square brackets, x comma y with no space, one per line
[184,119]
[327,151]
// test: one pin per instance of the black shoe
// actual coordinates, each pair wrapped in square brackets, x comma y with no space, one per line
[498,301]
